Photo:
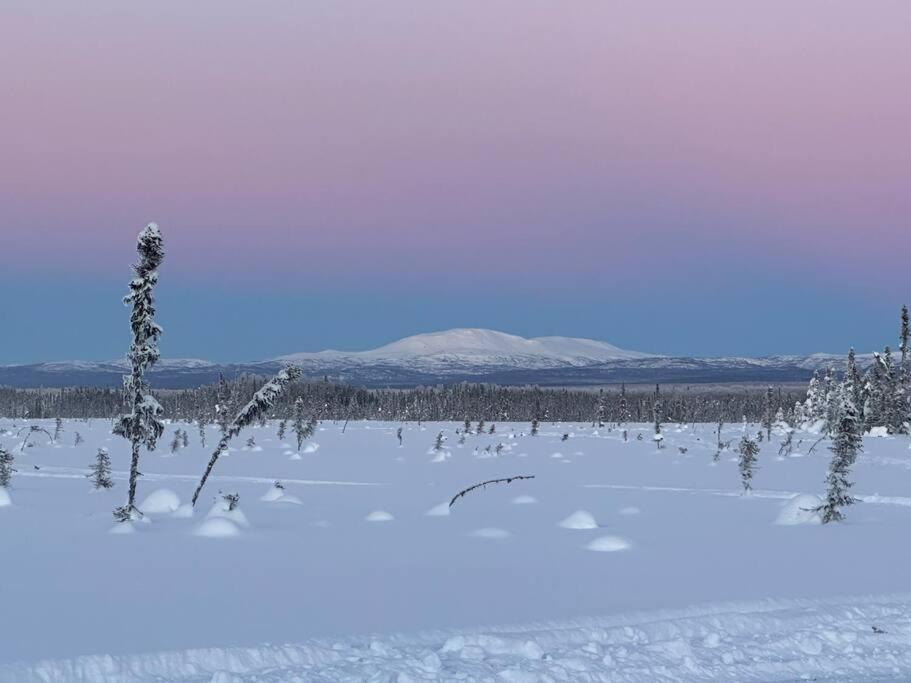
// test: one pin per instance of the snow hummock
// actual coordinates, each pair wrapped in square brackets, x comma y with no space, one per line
[580,519]
[379,516]
[217,527]
[524,500]
[608,544]
[800,510]
[441,510]
[160,502]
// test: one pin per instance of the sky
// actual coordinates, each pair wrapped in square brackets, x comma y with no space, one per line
[700,178]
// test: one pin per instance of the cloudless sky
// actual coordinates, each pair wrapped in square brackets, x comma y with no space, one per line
[704,178]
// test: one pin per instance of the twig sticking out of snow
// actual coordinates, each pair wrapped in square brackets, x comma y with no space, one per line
[483,484]
[261,402]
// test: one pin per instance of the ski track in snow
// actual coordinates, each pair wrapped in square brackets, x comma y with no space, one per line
[772,640]
[758,493]
[76,473]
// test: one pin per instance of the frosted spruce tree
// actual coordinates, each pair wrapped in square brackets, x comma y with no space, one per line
[261,403]
[656,407]
[100,473]
[142,426]
[904,372]
[748,451]
[6,467]
[303,429]
[767,417]
[847,442]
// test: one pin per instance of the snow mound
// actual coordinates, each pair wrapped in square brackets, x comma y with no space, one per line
[632,510]
[524,500]
[800,510]
[295,456]
[160,502]
[608,544]
[272,495]
[441,510]
[311,448]
[220,511]
[379,516]
[5,500]
[490,532]
[185,511]
[878,432]
[217,527]
[288,499]
[122,528]
[580,519]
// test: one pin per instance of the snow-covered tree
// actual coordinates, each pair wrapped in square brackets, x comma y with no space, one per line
[814,408]
[748,450]
[534,426]
[142,427]
[847,442]
[623,407]
[101,470]
[438,444]
[262,401]
[6,467]
[175,442]
[282,427]
[600,415]
[298,426]
[656,408]
[58,428]
[767,418]
[78,440]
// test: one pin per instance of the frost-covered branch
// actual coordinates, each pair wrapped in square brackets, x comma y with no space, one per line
[483,484]
[259,405]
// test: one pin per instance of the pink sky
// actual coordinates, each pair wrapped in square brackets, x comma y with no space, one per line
[417,136]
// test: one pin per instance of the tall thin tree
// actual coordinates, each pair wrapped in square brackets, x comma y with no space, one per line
[142,426]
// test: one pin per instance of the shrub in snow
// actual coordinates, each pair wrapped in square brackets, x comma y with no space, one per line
[101,470]
[142,427]
[78,440]
[58,429]
[748,450]
[6,467]
[534,427]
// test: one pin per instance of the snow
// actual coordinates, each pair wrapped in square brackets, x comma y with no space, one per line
[160,502]
[685,579]
[580,519]
[608,544]
[800,510]
[217,527]
[379,516]
[5,498]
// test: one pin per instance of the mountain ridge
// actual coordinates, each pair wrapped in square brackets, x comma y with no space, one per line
[448,356]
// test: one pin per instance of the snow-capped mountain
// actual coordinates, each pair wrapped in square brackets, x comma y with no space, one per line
[459,348]
[473,355]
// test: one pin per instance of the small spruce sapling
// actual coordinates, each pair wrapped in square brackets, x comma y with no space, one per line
[101,470]
[6,467]
[748,450]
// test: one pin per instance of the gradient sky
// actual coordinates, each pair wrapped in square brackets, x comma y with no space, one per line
[709,177]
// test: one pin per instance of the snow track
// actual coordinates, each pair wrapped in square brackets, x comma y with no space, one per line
[774,640]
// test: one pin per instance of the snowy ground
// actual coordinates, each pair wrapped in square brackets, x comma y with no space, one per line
[618,562]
